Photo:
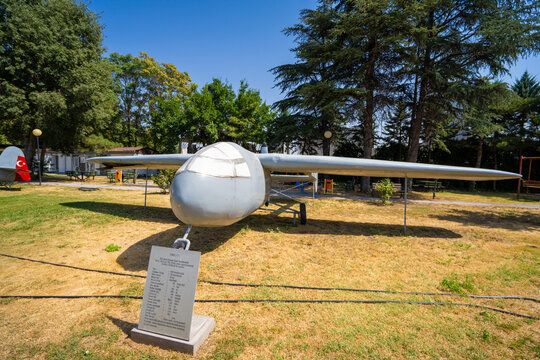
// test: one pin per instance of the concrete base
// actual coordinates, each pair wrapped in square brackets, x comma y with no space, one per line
[201,326]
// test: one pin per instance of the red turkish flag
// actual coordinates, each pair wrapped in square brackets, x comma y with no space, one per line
[21,165]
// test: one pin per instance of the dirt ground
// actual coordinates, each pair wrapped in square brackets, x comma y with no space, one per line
[345,244]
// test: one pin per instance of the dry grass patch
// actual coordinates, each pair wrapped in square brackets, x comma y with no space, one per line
[348,244]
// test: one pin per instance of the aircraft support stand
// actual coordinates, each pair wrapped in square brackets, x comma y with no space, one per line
[183,242]
[145,189]
[405,209]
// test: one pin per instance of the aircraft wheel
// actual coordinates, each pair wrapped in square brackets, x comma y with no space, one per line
[303,217]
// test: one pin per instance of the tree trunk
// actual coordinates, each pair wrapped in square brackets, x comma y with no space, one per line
[417,120]
[369,109]
[42,156]
[29,143]
[326,146]
[479,148]
[368,148]
[495,166]
[416,124]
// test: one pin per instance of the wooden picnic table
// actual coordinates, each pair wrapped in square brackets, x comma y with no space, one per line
[433,185]
[127,175]
[79,175]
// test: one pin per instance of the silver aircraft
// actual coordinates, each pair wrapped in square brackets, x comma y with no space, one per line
[13,166]
[223,183]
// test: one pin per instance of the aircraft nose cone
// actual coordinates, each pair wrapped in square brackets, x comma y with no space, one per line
[220,185]
[203,200]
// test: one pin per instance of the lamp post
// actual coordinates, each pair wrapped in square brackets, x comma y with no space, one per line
[37,134]
[327,135]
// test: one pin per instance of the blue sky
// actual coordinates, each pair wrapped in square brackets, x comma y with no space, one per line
[231,40]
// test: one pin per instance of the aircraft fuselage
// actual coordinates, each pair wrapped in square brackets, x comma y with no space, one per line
[218,186]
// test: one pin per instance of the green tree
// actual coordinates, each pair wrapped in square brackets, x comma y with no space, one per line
[98,144]
[367,36]
[251,118]
[217,113]
[524,121]
[449,42]
[151,101]
[51,73]
[312,93]
[394,139]
[485,103]
[207,113]
[294,131]
[166,91]
[132,110]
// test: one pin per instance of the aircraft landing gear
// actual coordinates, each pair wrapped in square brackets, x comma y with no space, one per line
[303,215]
[183,242]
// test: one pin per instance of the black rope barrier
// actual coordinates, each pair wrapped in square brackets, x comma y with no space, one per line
[290,286]
[289,301]
[374,291]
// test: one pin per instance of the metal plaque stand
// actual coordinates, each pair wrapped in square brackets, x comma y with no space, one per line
[167,318]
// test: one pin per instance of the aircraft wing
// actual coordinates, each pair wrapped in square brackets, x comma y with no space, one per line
[15,170]
[379,168]
[165,161]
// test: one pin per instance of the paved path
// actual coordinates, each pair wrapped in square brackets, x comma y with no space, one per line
[436,202]
[137,187]
[140,187]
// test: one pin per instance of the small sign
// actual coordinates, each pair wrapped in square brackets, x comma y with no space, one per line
[169,292]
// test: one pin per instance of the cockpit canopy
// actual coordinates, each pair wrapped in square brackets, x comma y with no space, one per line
[219,160]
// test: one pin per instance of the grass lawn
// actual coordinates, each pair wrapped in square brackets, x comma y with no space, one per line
[482,196]
[349,244]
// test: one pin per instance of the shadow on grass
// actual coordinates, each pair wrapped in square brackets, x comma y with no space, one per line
[503,220]
[8,189]
[134,212]
[125,326]
[135,257]
[272,222]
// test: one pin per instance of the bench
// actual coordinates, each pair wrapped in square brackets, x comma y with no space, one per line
[111,175]
[72,175]
[429,185]
[126,176]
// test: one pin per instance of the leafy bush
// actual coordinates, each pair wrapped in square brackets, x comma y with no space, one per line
[385,190]
[164,179]
[455,285]
[112,247]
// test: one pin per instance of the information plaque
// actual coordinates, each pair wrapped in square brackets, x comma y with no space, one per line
[169,292]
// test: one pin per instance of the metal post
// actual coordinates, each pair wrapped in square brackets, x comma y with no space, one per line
[313,192]
[519,180]
[39,160]
[529,178]
[405,209]
[434,188]
[145,189]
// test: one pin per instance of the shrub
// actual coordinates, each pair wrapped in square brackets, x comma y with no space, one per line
[455,285]
[164,179]
[385,190]
[112,247]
